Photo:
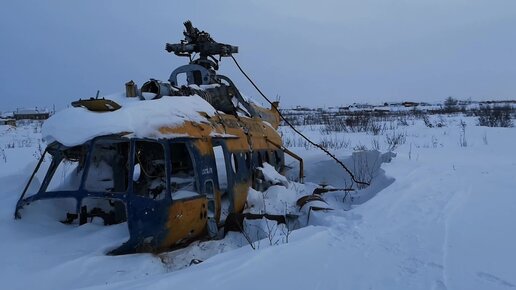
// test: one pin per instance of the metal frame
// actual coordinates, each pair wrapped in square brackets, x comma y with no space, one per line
[293,155]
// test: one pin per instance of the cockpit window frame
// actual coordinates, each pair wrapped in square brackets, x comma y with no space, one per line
[188,144]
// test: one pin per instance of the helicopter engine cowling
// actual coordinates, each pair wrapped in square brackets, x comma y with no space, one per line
[156,87]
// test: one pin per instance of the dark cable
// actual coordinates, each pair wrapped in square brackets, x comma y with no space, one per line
[295,130]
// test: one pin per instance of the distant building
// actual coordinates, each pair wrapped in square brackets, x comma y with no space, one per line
[363,106]
[410,104]
[382,109]
[31,114]
[11,122]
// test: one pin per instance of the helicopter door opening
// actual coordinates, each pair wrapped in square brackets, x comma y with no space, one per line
[221,167]
[108,167]
[182,176]
[223,178]
[148,201]
[107,173]
[209,191]
[182,80]
[149,174]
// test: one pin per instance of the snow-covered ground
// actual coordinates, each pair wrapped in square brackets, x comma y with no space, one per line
[438,215]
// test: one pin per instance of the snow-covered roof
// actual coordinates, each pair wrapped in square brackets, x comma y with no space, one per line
[30,111]
[74,126]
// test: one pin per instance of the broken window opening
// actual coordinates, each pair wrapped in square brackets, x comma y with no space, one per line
[220,163]
[108,168]
[182,80]
[248,160]
[94,210]
[266,157]
[278,160]
[234,162]
[182,175]
[149,172]
[35,182]
[210,195]
[68,174]
[259,158]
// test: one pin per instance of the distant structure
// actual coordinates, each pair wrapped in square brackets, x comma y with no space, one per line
[11,122]
[410,104]
[31,114]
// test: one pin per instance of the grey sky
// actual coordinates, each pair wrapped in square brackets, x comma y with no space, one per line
[308,52]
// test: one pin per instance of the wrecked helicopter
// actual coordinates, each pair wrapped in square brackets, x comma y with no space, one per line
[173,160]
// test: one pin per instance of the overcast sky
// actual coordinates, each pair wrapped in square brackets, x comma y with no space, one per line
[308,52]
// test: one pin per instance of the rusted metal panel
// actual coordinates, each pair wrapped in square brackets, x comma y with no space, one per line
[186,220]
[240,192]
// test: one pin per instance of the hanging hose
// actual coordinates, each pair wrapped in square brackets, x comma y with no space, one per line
[297,131]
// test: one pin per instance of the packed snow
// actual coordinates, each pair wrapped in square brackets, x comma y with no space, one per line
[439,214]
[73,126]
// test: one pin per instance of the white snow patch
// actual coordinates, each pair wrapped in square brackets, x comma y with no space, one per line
[444,222]
[271,175]
[73,126]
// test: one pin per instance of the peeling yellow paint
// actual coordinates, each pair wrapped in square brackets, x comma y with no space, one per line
[240,195]
[186,220]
